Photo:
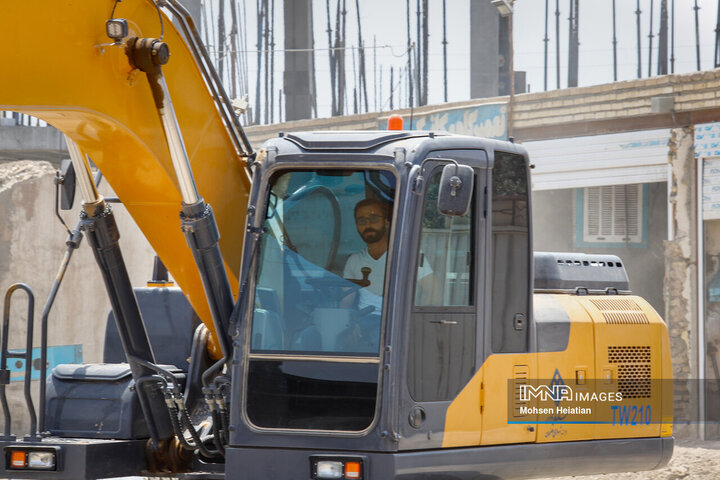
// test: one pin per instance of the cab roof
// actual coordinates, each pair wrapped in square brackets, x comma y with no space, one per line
[351,140]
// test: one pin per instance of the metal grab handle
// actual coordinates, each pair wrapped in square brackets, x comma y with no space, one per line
[73,242]
[26,355]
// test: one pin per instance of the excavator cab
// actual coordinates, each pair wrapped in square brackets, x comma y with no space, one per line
[331,358]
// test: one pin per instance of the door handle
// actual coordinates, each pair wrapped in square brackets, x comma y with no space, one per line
[444,322]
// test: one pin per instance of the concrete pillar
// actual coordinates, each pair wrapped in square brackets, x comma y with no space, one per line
[298,79]
[504,55]
[484,48]
[681,289]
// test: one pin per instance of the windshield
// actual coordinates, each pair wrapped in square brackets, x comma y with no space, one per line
[321,269]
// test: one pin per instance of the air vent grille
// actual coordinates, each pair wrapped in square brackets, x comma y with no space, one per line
[520,377]
[621,311]
[633,367]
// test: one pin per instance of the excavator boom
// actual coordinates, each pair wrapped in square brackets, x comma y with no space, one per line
[70,74]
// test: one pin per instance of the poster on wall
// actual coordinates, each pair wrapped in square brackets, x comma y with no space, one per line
[707,147]
[711,189]
[489,121]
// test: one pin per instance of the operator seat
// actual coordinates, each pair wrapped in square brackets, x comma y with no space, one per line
[170,322]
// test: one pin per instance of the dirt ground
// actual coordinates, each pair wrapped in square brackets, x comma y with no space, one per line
[691,460]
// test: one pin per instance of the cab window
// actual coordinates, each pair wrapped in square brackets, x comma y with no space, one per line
[510,253]
[319,299]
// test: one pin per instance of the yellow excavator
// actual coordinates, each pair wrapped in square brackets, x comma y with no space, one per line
[454,352]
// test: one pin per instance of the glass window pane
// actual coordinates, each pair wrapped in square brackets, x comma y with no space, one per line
[511,251]
[324,228]
[311,395]
[444,272]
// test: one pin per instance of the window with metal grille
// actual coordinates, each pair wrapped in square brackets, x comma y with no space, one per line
[612,214]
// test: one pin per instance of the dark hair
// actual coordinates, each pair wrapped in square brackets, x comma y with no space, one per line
[384,207]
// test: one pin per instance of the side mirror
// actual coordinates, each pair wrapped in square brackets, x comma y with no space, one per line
[456,188]
[67,188]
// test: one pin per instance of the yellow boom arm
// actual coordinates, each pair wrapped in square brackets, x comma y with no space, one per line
[61,68]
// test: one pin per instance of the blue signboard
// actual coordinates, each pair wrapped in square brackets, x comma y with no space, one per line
[55,356]
[489,121]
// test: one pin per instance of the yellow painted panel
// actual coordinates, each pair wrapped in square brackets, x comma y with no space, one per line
[629,335]
[62,73]
[498,369]
[563,366]
[463,422]
[479,413]
[604,338]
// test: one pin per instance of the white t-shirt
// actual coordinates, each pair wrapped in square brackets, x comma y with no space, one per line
[372,294]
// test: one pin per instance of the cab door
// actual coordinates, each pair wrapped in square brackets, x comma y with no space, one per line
[444,343]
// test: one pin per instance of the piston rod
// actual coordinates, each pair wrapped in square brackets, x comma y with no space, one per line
[98,222]
[197,218]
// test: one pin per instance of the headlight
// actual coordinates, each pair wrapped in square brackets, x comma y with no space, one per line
[116,28]
[329,469]
[41,460]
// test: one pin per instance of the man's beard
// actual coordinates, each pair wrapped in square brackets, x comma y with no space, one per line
[370,235]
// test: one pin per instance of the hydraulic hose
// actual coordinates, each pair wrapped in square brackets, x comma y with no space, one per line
[187,423]
[178,412]
[217,436]
[173,410]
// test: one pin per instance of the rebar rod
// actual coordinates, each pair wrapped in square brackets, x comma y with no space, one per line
[361,57]
[672,37]
[663,39]
[650,39]
[557,42]
[418,56]
[392,88]
[426,36]
[272,62]
[614,42]
[343,42]
[639,53]
[545,41]
[221,39]
[697,33]
[445,42]
[258,92]
[411,100]
[233,50]
[573,47]
[375,76]
[717,38]
[339,61]
[331,58]
[266,82]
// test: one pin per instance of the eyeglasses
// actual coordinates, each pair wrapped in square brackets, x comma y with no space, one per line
[368,219]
